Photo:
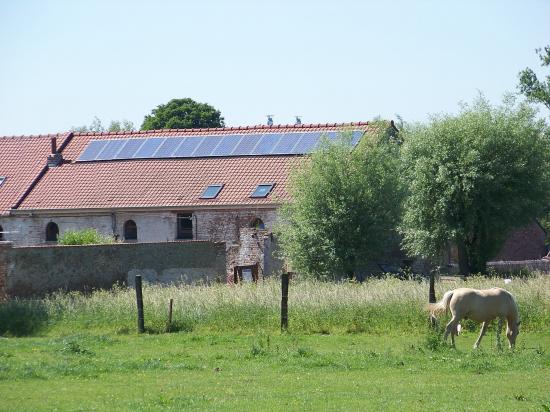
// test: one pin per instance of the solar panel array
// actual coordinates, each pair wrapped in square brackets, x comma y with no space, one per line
[209,146]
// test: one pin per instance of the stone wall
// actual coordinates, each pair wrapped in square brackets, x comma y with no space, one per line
[517,266]
[30,271]
[234,227]
[4,249]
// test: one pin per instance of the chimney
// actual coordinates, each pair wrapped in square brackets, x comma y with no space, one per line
[55,158]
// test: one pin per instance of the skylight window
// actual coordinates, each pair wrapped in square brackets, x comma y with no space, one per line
[212,191]
[262,190]
[2,178]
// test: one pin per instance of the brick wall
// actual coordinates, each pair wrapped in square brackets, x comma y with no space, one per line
[39,270]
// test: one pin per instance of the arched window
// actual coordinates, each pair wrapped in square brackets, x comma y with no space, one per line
[130,230]
[52,232]
[1,233]
[257,223]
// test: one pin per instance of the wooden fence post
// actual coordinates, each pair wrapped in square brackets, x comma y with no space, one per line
[284,301]
[139,300]
[169,326]
[432,298]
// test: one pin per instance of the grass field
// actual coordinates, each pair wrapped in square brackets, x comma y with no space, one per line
[349,347]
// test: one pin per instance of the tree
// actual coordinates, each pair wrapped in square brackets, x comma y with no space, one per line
[344,206]
[97,126]
[534,89]
[182,114]
[472,178]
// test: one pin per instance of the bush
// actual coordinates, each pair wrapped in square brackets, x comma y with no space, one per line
[84,237]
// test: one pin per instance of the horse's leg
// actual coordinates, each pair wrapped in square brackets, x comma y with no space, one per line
[483,330]
[451,328]
[499,331]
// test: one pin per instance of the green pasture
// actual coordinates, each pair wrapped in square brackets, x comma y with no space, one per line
[349,347]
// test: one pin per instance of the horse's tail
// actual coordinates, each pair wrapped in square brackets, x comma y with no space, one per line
[442,305]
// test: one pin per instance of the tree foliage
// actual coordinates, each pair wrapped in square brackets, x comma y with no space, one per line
[534,89]
[97,126]
[472,178]
[344,206]
[182,114]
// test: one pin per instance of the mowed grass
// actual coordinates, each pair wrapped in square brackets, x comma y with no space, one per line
[349,347]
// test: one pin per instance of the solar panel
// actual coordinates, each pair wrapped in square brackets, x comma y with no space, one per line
[294,143]
[330,135]
[356,136]
[306,143]
[128,150]
[246,145]
[92,150]
[227,145]
[169,146]
[148,148]
[207,146]
[267,143]
[188,146]
[286,144]
[110,150]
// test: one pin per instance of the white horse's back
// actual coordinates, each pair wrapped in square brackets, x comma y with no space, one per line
[481,305]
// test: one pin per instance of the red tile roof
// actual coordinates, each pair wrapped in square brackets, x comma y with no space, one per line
[175,183]
[22,159]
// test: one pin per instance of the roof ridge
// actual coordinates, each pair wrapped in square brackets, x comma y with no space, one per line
[196,129]
[34,136]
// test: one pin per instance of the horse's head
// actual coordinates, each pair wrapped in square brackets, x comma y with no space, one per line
[512,331]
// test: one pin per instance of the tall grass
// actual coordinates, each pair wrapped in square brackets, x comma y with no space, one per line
[376,306]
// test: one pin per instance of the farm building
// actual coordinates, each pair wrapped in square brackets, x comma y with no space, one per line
[221,185]
[156,186]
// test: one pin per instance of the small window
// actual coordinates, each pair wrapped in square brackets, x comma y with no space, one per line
[262,190]
[1,233]
[257,223]
[130,230]
[211,191]
[52,232]
[2,179]
[185,226]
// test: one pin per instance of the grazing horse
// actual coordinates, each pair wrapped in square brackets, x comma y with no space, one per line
[481,306]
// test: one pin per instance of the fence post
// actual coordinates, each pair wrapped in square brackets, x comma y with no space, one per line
[432,298]
[169,326]
[139,300]
[284,301]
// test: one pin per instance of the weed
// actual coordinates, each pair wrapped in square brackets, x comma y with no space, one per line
[72,345]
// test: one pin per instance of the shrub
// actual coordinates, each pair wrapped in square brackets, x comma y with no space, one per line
[87,236]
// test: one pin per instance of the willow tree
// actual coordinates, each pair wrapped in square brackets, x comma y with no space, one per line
[472,178]
[345,205]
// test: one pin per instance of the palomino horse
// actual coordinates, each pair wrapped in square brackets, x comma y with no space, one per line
[481,306]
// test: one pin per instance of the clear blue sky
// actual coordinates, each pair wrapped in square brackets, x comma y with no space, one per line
[64,62]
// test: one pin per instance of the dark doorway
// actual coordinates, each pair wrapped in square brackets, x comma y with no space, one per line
[52,232]
[185,226]
[245,273]
[130,230]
